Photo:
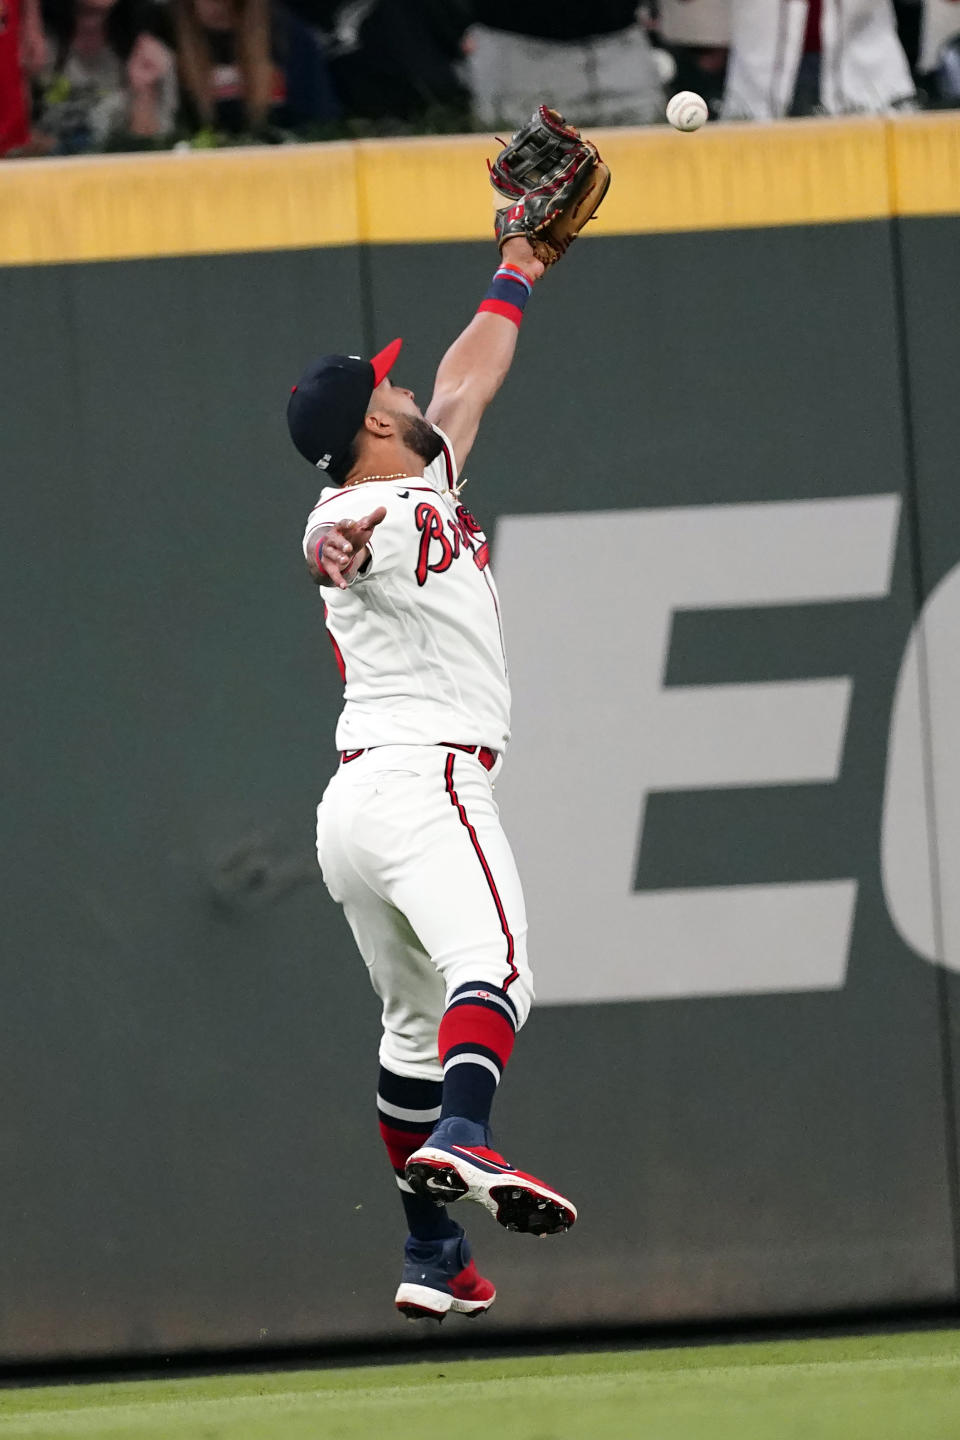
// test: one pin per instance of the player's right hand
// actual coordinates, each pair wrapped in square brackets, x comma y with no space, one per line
[345,547]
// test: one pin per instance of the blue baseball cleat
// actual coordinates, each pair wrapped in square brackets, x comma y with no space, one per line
[439,1276]
[457,1163]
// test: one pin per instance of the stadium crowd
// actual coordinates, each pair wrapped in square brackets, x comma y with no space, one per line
[89,75]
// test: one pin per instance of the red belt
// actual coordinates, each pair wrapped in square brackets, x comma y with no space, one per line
[487,757]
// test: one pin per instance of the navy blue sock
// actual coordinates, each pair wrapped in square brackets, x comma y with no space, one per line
[468,1091]
[475,1041]
[408,1110]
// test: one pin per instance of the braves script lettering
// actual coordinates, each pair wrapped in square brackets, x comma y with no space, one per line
[430,524]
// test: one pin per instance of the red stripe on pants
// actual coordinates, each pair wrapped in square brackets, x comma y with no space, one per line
[487,872]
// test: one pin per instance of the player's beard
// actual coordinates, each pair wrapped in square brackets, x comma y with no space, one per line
[419,436]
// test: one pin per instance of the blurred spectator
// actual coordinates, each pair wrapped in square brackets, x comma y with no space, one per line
[698,38]
[591,61]
[22,51]
[908,14]
[104,75]
[803,55]
[247,65]
[396,59]
[108,80]
[938,61]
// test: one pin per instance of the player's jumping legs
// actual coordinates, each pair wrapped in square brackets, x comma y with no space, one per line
[473,926]
[411,845]
[439,1275]
[461,894]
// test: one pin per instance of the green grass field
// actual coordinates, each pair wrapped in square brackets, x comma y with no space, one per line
[889,1387]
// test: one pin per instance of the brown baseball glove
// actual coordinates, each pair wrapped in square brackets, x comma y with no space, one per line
[547,183]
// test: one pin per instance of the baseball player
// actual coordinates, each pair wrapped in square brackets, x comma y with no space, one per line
[408,834]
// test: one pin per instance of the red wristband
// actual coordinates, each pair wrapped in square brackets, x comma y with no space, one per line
[508,293]
[501,307]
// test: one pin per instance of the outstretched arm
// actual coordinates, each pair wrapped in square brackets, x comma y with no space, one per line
[336,552]
[477,362]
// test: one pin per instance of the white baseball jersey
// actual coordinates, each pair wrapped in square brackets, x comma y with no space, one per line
[417,636]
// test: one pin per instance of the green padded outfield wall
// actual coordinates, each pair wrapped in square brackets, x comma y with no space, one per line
[733,790]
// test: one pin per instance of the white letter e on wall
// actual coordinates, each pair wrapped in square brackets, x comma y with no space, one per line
[596,731]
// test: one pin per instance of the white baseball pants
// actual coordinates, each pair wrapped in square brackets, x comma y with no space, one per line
[410,844]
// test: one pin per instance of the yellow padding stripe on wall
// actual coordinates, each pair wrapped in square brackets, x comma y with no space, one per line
[422,191]
[925,165]
[725,176]
[196,203]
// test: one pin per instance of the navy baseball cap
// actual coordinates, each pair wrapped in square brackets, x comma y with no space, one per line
[328,403]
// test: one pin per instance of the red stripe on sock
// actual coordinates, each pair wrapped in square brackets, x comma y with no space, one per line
[476,1025]
[401,1143]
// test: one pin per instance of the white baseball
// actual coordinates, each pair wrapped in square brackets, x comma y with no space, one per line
[687,111]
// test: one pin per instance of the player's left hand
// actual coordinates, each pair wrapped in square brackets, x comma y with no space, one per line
[547,183]
[342,548]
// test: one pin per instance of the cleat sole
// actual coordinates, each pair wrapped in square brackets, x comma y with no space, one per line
[420,1302]
[530,1213]
[521,1204]
[437,1181]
